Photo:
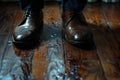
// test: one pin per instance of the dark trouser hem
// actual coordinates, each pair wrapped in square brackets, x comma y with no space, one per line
[74,4]
[31,4]
[38,4]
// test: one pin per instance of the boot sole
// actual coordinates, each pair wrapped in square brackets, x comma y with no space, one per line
[87,45]
[26,45]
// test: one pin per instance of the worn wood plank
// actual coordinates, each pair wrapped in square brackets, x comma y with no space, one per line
[82,64]
[26,57]
[55,67]
[50,45]
[52,14]
[7,17]
[94,18]
[112,17]
[39,62]
[6,24]
[18,18]
[3,43]
[106,53]
[105,50]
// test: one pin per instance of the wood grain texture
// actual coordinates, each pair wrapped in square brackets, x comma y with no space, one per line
[111,12]
[87,63]
[51,40]
[105,41]
[100,63]
[39,62]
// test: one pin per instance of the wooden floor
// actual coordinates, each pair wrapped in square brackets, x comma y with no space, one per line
[55,54]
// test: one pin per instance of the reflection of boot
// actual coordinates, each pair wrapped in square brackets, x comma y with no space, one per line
[27,34]
[76,28]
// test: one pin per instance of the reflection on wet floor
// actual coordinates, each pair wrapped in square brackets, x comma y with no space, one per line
[50,32]
[54,58]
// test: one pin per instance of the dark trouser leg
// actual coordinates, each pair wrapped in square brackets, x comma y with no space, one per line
[31,4]
[74,4]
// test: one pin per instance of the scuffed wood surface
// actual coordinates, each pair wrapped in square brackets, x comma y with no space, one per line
[107,46]
[57,59]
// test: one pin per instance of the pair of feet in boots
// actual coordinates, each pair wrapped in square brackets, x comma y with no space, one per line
[27,34]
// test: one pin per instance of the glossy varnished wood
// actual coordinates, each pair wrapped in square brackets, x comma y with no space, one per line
[100,63]
[113,19]
[105,41]
[6,23]
[51,40]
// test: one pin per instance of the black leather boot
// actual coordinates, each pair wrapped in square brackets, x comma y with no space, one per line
[76,30]
[27,34]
